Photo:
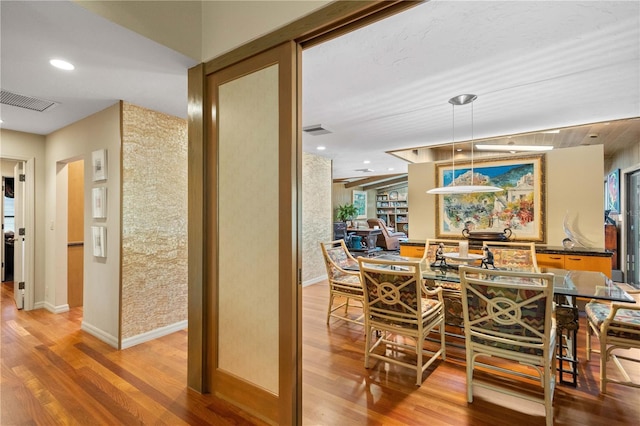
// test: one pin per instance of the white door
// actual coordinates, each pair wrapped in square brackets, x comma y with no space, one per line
[19,242]
[23,270]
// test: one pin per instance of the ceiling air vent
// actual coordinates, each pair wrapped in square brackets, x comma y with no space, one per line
[27,102]
[363,170]
[316,129]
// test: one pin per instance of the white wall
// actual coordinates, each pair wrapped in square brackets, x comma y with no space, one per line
[229,24]
[22,146]
[573,184]
[101,275]
[175,24]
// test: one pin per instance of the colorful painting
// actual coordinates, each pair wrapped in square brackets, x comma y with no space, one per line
[613,192]
[519,207]
[360,203]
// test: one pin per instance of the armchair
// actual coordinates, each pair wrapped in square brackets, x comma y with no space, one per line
[512,255]
[617,326]
[509,315]
[344,284]
[389,239]
[398,306]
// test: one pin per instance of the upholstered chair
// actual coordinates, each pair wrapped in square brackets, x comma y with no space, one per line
[398,308]
[389,239]
[344,282]
[508,315]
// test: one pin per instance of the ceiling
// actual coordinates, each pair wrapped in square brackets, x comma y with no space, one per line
[112,63]
[534,66]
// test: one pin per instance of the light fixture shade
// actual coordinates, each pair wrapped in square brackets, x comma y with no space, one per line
[490,147]
[463,189]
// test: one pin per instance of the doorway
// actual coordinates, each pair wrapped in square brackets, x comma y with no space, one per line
[75,233]
[632,228]
[8,227]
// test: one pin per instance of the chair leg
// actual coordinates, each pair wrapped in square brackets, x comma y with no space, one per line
[443,345]
[330,306]
[367,345]
[419,343]
[588,342]
[548,391]
[604,355]
[469,374]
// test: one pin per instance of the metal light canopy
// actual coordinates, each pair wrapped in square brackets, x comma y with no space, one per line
[462,189]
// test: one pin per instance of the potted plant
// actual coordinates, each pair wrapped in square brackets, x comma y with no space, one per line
[347,212]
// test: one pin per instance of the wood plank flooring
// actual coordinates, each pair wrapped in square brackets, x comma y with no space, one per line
[53,373]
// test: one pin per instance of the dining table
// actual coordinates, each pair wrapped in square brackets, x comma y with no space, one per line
[568,287]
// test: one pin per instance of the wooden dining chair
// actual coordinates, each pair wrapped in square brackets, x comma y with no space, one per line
[509,315]
[450,290]
[398,306]
[344,284]
[520,256]
[617,326]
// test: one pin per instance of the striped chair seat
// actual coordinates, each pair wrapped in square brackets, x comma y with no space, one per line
[625,318]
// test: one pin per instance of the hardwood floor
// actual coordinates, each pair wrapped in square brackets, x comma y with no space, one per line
[53,373]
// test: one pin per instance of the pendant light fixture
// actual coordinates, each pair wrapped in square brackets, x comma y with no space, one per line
[462,189]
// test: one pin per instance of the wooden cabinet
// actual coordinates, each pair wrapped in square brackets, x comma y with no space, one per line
[575,262]
[547,257]
[411,251]
[550,260]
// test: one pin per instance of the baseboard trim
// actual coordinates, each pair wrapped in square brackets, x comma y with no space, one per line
[96,332]
[313,280]
[56,309]
[38,305]
[153,334]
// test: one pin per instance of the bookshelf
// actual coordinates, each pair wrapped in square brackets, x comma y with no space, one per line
[393,208]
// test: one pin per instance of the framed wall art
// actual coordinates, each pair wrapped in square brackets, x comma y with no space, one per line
[99,240]
[99,165]
[360,203]
[519,207]
[99,202]
[612,192]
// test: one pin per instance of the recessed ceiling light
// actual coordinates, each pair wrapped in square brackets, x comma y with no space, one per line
[321,148]
[552,131]
[63,65]
[366,161]
[390,169]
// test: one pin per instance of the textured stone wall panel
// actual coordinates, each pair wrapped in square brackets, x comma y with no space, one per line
[154,220]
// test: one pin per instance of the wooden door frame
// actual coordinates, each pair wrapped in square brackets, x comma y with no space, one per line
[331,21]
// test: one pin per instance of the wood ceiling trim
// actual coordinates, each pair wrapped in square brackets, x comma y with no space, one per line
[362,182]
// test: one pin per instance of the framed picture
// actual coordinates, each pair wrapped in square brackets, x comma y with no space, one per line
[612,192]
[99,202]
[99,164]
[520,207]
[99,238]
[360,203]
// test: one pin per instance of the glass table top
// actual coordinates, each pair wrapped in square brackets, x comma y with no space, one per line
[585,284]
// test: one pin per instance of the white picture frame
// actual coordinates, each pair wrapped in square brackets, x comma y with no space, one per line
[99,165]
[99,239]
[99,202]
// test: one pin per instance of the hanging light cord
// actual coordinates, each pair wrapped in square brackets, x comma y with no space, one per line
[453,145]
[472,144]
